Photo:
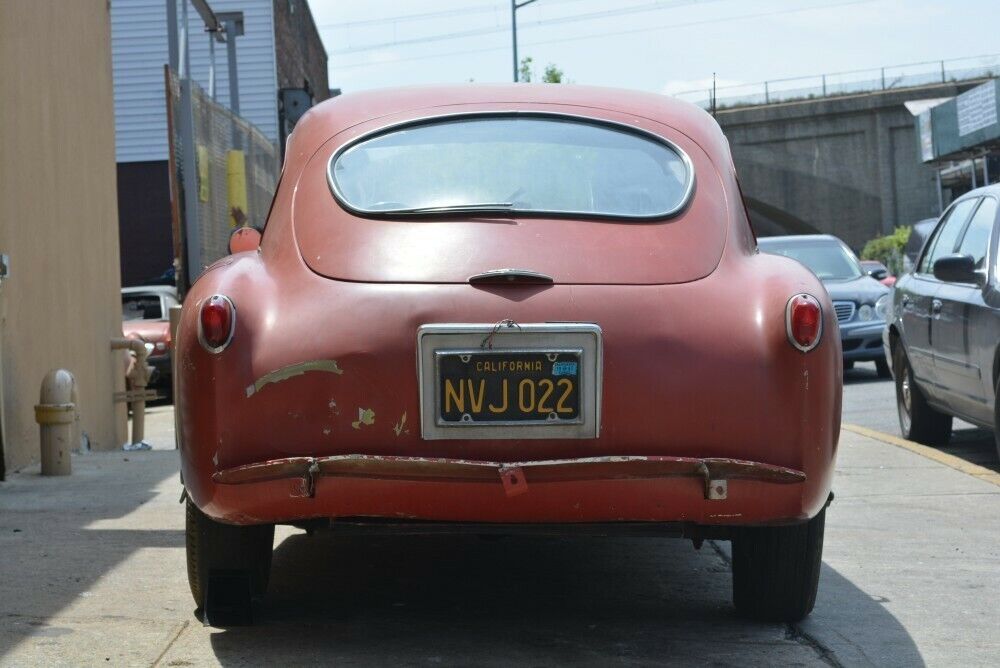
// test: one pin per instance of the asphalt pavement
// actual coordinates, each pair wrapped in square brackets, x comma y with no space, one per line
[870,401]
[94,574]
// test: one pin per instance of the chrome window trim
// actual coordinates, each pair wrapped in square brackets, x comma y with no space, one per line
[553,115]
[232,326]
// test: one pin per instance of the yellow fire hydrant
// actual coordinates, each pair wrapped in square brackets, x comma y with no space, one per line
[57,420]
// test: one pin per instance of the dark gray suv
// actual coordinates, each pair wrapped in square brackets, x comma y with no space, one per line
[943,337]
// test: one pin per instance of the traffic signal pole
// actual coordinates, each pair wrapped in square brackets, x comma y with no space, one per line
[514,6]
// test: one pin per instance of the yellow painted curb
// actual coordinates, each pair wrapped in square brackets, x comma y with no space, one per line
[957,463]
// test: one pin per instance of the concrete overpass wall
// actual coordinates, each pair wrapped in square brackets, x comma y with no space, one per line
[847,166]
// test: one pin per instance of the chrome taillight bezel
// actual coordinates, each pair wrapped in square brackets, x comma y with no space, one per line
[232,325]
[788,322]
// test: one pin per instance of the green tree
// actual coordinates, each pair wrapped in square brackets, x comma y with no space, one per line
[888,249]
[552,74]
[526,70]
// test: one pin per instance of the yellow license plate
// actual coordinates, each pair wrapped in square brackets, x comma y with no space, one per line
[509,387]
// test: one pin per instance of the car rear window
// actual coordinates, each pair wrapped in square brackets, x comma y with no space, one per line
[141,307]
[829,260]
[522,164]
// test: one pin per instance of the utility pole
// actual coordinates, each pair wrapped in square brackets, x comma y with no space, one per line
[514,6]
[232,23]
[713,94]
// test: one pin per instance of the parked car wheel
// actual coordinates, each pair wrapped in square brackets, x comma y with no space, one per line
[212,546]
[776,570]
[918,421]
[882,369]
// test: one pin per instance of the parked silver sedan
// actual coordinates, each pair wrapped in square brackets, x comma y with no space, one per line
[944,335]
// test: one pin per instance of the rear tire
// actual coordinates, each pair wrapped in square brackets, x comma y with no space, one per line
[776,570]
[215,546]
[882,369]
[918,421]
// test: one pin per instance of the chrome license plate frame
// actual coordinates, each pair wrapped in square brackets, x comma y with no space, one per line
[582,339]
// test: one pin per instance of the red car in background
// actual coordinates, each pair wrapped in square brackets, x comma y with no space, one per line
[513,306]
[879,272]
[146,316]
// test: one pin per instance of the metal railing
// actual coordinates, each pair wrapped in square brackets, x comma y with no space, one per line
[846,83]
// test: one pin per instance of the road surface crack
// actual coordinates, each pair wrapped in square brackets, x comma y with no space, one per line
[795,633]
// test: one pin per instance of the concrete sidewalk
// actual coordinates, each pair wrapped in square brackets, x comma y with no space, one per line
[93,573]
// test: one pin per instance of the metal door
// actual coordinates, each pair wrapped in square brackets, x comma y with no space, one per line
[959,371]
[917,303]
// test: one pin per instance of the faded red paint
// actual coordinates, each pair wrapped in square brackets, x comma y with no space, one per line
[696,358]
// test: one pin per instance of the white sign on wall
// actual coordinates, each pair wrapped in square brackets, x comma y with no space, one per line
[977,108]
[926,137]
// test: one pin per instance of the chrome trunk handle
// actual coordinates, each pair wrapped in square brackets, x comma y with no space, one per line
[510,275]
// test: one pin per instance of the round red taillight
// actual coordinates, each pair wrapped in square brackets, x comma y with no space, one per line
[216,322]
[804,321]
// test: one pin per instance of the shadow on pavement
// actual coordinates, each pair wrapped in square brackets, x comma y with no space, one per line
[60,536]
[539,601]
[968,442]
[864,372]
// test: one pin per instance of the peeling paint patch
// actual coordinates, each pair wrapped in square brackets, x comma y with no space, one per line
[365,416]
[400,427]
[334,408]
[326,431]
[292,370]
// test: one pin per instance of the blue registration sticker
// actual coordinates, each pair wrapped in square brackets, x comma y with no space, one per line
[564,369]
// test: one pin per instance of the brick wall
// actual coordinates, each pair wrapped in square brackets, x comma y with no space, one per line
[300,53]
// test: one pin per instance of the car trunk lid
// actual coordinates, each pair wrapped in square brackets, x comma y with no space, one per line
[451,248]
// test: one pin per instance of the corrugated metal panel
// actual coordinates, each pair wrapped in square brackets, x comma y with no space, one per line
[139,51]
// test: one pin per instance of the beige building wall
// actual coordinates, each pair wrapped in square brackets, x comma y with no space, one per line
[58,217]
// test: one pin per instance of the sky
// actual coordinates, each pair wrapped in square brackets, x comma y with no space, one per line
[665,46]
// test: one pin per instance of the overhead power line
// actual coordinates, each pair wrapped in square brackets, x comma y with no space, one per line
[443,13]
[472,32]
[575,38]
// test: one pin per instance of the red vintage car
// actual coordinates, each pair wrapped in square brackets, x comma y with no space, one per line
[510,308]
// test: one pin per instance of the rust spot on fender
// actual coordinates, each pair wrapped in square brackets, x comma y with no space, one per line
[292,370]
[400,426]
[365,416]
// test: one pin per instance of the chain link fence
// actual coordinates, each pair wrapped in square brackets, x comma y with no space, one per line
[230,182]
[846,83]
